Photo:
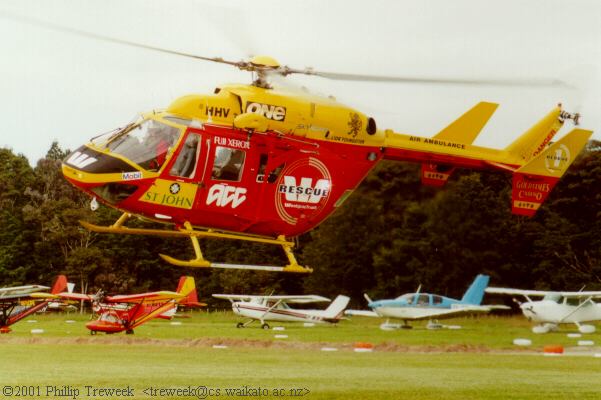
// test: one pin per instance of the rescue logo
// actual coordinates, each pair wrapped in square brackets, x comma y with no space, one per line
[302,190]
[558,159]
[276,113]
[224,195]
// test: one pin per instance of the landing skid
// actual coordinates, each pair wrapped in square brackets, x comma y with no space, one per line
[194,234]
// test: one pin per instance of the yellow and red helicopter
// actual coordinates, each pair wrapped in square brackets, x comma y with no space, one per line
[255,163]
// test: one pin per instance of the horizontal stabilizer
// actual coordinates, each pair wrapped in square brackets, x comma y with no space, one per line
[336,308]
[464,130]
[362,313]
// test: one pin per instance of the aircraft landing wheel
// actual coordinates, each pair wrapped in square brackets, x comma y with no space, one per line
[92,333]
[406,327]
[129,332]
[265,326]
[239,325]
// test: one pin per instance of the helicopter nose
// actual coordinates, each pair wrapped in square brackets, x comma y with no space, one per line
[88,160]
[102,175]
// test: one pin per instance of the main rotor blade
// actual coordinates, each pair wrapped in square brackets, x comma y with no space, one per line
[444,81]
[59,28]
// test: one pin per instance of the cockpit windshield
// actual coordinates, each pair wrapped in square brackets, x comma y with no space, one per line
[146,143]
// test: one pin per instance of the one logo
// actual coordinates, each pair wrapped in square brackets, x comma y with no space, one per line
[303,190]
[174,188]
[355,124]
[556,160]
[80,160]
[276,113]
[223,195]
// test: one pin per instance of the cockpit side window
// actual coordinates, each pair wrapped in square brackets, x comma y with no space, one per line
[228,164]
[187,160]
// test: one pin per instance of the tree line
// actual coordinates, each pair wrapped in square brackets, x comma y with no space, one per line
[390,236]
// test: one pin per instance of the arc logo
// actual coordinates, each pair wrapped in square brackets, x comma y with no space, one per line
[80,160]
[276,113]
[223,195]
[303,190]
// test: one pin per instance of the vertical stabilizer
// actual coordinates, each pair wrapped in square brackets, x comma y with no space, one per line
[187,287]
[59,285]
[475,293]
[532,142]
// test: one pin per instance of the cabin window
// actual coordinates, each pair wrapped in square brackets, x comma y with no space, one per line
[187,159]
[423,300]
[273,175]
[184,121]
[436,300]
[109,317]
[228,164]
[262,166]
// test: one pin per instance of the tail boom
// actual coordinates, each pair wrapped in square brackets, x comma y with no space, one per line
[536,165]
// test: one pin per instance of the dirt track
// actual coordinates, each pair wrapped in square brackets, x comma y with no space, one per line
[257,344]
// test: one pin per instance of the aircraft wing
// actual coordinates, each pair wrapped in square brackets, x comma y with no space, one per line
[582,294]
[456,311]
[76,296]
[144,297]
[20,291]
[284,298]
[362,313]
[518,292]
[592,294]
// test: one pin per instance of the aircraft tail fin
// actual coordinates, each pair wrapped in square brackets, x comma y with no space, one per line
[533,182]
[187,287]
[464,130]
[60,284]
[475,293]
[336,308]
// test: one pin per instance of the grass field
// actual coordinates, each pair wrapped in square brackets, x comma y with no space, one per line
[476,362]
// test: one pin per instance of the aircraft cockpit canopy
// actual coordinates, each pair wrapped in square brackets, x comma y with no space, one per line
[145,143]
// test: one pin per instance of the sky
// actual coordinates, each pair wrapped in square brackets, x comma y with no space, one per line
[68,88]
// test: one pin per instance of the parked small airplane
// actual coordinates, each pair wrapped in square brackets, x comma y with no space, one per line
[19,302]
[126,312]
[276,308]
[557,308]
[419,306]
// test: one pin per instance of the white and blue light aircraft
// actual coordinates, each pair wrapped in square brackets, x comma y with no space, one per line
[421,306]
